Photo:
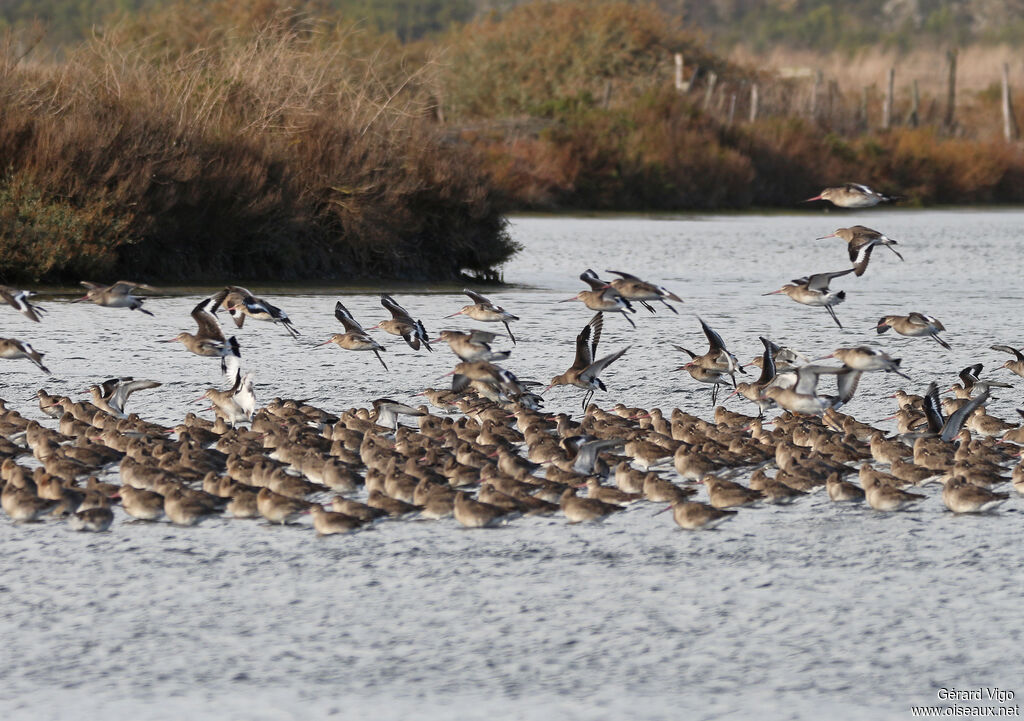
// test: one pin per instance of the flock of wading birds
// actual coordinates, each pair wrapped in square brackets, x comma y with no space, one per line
[492,441]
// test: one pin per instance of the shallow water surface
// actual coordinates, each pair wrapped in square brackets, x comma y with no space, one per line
[809,611]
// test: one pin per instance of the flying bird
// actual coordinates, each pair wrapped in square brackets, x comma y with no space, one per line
[473,345]
[483,310]
[866,358]
[1017,364]
[947,428]
[754,390]
[238,403]
[633,289]
[913,325]
[208,340]
[118,295]
[13,349]
[112,395]
[386,412]
[241,304]
[785,358]
[853,195]
[860,242]
[354,337]
[18,299]
[602,297]
[402,324]
[717,367]
[803,397]
[814,291]
[490,379]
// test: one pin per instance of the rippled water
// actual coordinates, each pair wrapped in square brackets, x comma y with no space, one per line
[811,611]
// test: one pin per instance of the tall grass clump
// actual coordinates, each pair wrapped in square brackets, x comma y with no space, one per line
[199,143]
[41,235]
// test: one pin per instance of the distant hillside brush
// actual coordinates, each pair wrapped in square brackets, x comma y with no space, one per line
[549,58]
[574,105]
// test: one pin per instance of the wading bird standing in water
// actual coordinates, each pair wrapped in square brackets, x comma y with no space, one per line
[238,403]
[717,367]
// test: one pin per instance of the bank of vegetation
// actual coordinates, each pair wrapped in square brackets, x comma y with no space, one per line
[198,141]
[201,145]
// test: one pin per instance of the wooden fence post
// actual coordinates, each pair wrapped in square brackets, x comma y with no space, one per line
[753,102]
[950,119]
[887,106]
[913,117]
[834,98]
[732,108]
[680,85]
[815,93]
[709,92]
[1009,121]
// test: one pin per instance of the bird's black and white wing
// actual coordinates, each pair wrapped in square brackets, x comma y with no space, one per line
[767,362]
[624,276]
[847,381]
[807,377]
[933,409]
[956,421]
[119,397]
[971,375]
[590,278]
[820,281]
[861,256]
[714,340]
[1009,349]
[586,342]
[476,297]
[206,321]
[397,311]
[594,370]
[18,299]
